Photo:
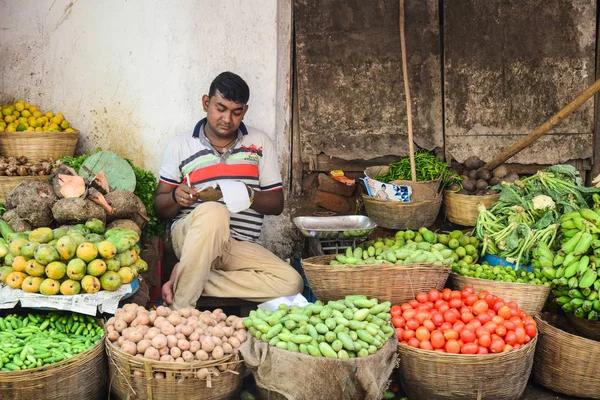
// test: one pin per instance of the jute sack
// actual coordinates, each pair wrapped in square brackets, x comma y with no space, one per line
[282,374]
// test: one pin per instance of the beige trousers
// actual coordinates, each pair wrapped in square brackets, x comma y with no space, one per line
[211,263]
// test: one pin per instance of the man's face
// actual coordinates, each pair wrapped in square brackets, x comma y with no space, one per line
[223,116]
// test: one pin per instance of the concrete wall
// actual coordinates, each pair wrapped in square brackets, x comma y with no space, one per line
[130,74]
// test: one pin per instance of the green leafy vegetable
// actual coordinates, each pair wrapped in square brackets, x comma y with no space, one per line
[427,167]
[2,208]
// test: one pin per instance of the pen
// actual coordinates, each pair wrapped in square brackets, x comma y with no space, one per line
[187,178]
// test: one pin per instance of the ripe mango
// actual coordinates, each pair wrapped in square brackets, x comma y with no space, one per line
[15,279]
[96,267]
[126,275]
[77,237]
[32,284]
[41,235]
[16,245]
[19,263]
[112,264]
[56,270]
[90,284]
[69,287]
[106,249]
[8,259]
[95,225]
[66,247]
[50,287]
[109,281]
[3,249]
[140,265]
[76,269]
[46,253]
[28,250]
[4,271]
[87,251]
[34,268]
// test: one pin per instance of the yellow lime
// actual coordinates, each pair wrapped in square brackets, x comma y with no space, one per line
[65,124]
[19,106]
[9,118]
[69,130]
[25,113]
[33,124]
[2,129]
[16,114]
[55,120]
[27,106]
[22,120]
[11,129]
[36,113]
[53,126]
[49,114]
[38,129]
[7,110]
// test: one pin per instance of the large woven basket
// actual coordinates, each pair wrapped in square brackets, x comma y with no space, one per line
[82,377]
[135,378]
[8,183]
[38,145]
[386,282]
[461,209]
[530,298]
[430,375]
[564,362]
[586,328]
[398,215]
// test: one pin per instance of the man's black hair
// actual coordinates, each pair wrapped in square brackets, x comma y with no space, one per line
[383,186]
[231,86]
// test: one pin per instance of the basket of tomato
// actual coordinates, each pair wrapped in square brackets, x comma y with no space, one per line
[459,344]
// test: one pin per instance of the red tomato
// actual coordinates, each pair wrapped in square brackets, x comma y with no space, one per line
[398,322]
[497,345]
[490,326]
[451,317]
[428,306]
[480,307]
[422,333]
[530,330]
[464,309]
[433,295]
[413,303]
[507,347]
[406,306]
[467,317]
[513,305]
[485,340]
[421,297]
[498,320]
[437,318]
[469,289]
[400,333]
[520,334]
[517,346]
[443,307]
[490,299]
[510,326]
[467,336]
[445,326]
[499,303]
[510,338]
[482,350]
[455,303]
[408,334]
[414,342]
[470,299]
[458,326]
[426,345]
[483,318]
[429,325]
[452,346]
[421,316]
[396,311]
[517,321]
[446,293]
[469,348]
[476,323]
[412,324]
[439,302]
[481,331]
[501,330]
[437,339]
[409,314]
[482,294]
[451,334]
[440,350]
[491,313]
[455,294]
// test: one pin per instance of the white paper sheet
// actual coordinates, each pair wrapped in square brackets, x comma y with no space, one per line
[271,305]
[235,195]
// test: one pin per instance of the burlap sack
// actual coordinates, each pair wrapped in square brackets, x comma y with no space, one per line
[282,374]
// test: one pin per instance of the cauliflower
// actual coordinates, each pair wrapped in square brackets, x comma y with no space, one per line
[543,202]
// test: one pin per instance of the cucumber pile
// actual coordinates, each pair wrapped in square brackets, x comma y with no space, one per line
[34,340]
[409,247]
[349,328]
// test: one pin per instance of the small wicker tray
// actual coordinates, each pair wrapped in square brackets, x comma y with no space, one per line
[461,209]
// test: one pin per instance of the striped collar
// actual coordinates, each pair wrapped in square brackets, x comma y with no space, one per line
[200,123]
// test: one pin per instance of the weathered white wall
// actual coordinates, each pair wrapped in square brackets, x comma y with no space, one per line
[129,74]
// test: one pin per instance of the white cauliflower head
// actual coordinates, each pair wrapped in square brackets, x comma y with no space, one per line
[543,202]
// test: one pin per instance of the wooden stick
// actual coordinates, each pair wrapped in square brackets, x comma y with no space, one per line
[545,127]
[411,146]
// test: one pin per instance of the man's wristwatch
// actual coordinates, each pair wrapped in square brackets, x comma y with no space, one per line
[251,194]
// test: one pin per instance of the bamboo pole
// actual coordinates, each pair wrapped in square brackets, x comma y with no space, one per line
[411,146]
[545,127]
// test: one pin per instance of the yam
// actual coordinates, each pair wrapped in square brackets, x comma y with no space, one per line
[494,181]
[140,220]
[500,172]
[17,224]
[124,202]
[473,163]
[33,201]
[76,210]
[55,180]
[484,174]
[481,184]
[468,185]
[472,175]
[510,178]
[125,223]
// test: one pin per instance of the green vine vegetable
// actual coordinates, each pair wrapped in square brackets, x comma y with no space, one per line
[428,167]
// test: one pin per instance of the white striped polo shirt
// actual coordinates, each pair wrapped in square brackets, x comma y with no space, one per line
[252,160]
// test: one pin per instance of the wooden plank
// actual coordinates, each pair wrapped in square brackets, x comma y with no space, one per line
[596,157]
[324,163]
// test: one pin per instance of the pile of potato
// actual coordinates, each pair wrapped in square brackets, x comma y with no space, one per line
[186,335]
[476,180]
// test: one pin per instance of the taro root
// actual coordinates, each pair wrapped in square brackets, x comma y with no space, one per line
[472,175]
[510,178]
[16,223]
[484,174]
[124,202]
[468,185]
[77,210]
[481,184]
[33,201]
[500,172]
[494,181]
[474,162]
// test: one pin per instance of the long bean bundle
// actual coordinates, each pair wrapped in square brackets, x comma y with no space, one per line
[428,167]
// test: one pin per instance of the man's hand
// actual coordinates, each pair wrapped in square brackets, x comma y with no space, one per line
[185,196]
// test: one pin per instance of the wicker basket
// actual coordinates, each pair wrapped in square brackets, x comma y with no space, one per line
[564,362]
[431,375]
[398,215]
[461,209]
[386,282]
[530,298]
[421,191]
[38,145]
[8,183]
[586,328]
[82,377]
[134,378]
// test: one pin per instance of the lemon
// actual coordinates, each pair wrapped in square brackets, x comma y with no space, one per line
[45,129]
[16,114]
[60,115]
[49,114]
[65,124]
[2,123]
[2,129]
[38,129]
[25,113]
[34,109]
[7,110]
[45,119]
[22,120]
[27,106]
[11,129]
[33,124]
[19,106]
[36,114]
[9,118]
[55,120]
[53,126]
[69,130]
